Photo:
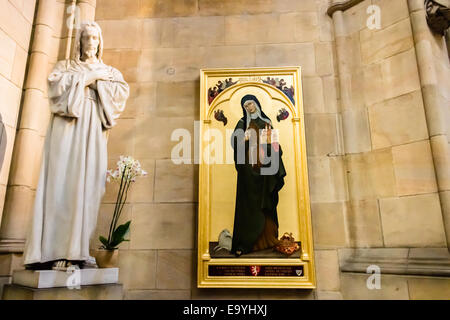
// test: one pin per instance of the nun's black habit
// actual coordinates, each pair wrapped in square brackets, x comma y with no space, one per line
[255,218]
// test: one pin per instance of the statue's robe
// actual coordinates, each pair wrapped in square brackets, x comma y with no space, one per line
[255,217]
[74,163]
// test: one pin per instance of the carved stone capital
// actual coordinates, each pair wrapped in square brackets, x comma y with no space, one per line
[438,15]
[342,6]
[433,262]
[12,246]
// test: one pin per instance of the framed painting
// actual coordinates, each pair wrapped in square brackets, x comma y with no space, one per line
[254,226]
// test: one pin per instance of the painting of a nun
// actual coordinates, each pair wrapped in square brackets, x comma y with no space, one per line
[256,219]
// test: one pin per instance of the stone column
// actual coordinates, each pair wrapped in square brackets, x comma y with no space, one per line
[87,9]
[24,173]
[34,119]
[434,105]
[447,39]
[27,151]
[355,132]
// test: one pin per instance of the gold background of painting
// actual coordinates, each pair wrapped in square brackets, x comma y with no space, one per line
[217,181]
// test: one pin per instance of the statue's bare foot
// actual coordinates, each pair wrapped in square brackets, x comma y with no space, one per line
[91,263]
[62,265]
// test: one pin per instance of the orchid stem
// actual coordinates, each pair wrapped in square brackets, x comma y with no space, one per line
[118,201]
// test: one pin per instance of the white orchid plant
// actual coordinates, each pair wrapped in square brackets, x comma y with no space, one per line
[128,169]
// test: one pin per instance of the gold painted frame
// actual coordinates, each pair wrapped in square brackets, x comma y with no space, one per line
[252,77]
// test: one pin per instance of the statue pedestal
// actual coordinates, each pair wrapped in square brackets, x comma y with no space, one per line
[97,292]
[61,279]
[91,284]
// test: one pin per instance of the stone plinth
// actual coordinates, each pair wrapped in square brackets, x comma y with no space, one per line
[84,284]
[95,292]
[61,279]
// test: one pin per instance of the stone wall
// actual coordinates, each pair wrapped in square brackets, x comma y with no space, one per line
[394,198]
[160,47]
[377,131]
[41,34]
[391,177]
[16,20]
[372,176]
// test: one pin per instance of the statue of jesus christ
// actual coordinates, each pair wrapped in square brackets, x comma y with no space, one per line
[86,97]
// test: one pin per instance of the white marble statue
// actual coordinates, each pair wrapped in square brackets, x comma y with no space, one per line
[86,97]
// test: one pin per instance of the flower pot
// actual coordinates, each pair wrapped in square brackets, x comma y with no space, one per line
[107,258]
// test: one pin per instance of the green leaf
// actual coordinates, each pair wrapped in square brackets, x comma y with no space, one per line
[104,241]
[122,230]
[119,234]
[106,244]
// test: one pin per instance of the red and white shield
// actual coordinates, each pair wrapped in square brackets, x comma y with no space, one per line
[255,270]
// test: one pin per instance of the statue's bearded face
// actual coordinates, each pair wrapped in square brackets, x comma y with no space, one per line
[90,42]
